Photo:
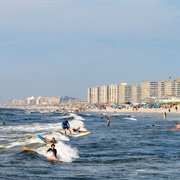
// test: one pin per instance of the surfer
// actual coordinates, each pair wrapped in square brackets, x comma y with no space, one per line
[53,140]
[152,125]
[77,130]
[178,126]
[108,121]
[2,123]
[53,150]
[66,125]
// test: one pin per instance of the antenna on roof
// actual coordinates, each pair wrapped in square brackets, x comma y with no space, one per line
[169,79]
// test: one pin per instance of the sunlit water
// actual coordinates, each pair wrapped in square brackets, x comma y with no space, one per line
[128,149]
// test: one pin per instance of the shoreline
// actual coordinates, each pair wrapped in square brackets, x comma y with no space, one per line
[97,110]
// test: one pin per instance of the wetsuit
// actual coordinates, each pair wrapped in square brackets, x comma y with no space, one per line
[65,125]
[54,151]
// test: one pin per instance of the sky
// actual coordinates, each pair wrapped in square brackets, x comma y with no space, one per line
[63,47]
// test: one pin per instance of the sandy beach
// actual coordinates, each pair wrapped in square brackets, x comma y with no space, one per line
[89,108]
[139,110]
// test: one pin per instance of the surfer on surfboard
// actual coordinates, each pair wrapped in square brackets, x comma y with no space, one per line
[51,149]
[66,126]
[53,140]
[77,130]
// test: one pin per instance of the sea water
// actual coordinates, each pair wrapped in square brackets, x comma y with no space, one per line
[128,149]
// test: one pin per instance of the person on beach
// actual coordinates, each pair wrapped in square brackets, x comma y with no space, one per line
[176,108]
[66,126]
[77,130]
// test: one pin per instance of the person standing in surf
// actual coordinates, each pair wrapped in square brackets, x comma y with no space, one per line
[108,121]
[66,126]
[165,115]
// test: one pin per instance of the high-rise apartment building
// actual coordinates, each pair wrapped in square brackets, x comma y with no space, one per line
[103,94]
[15,102]
[93,95]
[149,90]
[170,88]
[113,93]
[125,93]
[89,99]
[136,94]
[54,100]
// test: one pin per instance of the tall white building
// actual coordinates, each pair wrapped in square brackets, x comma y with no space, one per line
[147,91]
[136,94]
[125,93]
[93,95]
[103,94]
[113,93]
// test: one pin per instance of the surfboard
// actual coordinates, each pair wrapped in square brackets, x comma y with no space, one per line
[28,149]
[54,159]
[82,133]
[176,129]
[41,138]
[50,158]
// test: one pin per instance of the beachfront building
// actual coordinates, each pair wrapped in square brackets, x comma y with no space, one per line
[54,101]
[89,95]
[136,94]
[112,95]
[44,101]
[30,101]
[169,88]
[177,85]
[166,88]
[125,93]
[146,92]
[93,95]
[149,89]
[168,100]
[15,102]
[103,94]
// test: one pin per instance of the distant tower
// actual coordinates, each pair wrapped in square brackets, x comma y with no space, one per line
[169,79]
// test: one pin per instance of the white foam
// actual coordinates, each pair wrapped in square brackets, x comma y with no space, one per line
[26,134]
[132,119]
[76,117]
[64,152]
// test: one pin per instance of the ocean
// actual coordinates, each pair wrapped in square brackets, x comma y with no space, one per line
[128,149]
